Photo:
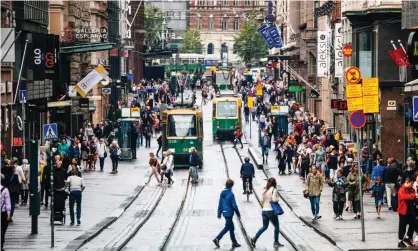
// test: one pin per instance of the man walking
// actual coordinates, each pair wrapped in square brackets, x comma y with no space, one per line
[227,206]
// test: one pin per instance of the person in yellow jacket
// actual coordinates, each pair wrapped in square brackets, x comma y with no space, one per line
[339,136]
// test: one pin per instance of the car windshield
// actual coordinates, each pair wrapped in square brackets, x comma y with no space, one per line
[227,109]
[182,125]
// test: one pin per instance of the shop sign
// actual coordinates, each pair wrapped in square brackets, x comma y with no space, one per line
[338,51]
[348,50]
[322,55]
[296,89]
[85,34]
[17,141]
[339,104]
[89,81]
[113,52]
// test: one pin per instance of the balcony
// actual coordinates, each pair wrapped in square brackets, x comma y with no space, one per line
[362,10]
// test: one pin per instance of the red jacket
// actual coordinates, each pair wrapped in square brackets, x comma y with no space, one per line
[404,194]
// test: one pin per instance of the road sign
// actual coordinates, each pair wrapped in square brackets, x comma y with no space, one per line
[348,50]
[358,119]
[370,104]
[370,86]
[50,131]
[353,75]
[415,108]
[295,89]
[23,96]
[354,104]
[130,76]
[353,91]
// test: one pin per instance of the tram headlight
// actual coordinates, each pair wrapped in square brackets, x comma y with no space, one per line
[217,124]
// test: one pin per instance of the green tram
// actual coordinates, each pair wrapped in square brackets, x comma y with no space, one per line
[124,136]
[226,116]
[182,129]
[223,79]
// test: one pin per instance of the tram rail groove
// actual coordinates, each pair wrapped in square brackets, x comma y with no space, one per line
[244,232]
[166,241]
[135,229]
[294,245]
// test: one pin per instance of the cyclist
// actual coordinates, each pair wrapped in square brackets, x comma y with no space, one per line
[247,172]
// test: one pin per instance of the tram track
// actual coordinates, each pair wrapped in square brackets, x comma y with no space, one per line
[294,246]
[121,231]
[244,232]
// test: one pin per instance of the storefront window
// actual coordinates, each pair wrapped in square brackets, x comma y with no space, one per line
[365,53]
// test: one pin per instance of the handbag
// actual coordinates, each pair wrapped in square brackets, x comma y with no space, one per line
[277,209]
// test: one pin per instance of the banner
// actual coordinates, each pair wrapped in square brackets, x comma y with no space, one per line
[51,57]
[399,57]
[89,81]
[338,52]
[36,56]
[271,35]
[322,57]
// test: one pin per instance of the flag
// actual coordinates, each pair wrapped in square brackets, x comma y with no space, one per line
[399,57]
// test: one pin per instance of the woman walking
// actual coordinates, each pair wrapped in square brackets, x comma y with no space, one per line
[338,194]
[167,167]
[314,186]
[114,156]
[85,152]
[354,191]
[407,214]
[25,185]
[270,193]
[155,168]
[101,150]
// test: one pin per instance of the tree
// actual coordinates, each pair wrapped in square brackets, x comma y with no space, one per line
[248,44]
[153,23]
[192,42]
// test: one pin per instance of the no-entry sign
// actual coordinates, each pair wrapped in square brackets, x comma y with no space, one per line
[358,119]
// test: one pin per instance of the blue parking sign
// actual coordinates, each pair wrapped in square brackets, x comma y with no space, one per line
[415,108]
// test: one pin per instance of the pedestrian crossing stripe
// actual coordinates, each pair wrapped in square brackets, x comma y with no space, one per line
[50,134]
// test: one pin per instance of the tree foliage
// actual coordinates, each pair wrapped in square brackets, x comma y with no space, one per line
[248,43]
[192,42]
[153,23]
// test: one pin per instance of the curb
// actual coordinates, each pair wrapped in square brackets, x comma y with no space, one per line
[256,158]
[94,231]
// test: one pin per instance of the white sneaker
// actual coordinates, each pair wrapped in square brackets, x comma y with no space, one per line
[335,216]
[314,218]
[341,217]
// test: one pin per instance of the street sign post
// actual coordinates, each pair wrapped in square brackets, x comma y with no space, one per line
[358,120]
[23,96]
[415,108]
[353,75]
[50,131]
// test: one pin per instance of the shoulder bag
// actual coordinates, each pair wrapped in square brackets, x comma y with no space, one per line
[277,209]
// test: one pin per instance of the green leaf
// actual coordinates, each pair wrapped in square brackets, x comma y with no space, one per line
[192,42]
[153,23]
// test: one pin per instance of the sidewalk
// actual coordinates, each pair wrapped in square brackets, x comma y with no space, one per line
[105,197]
[345,234]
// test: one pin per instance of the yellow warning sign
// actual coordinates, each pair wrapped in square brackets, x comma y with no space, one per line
[353,91]
[370,104]
[370,86]
[354,104]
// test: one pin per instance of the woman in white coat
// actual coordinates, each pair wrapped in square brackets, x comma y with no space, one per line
[167,167]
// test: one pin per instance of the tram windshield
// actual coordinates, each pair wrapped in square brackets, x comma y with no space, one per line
[182,125]
[227,109]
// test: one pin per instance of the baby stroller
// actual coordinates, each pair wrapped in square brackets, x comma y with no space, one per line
[59,206]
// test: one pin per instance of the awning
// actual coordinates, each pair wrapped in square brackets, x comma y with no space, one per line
[86,48]
[411,86]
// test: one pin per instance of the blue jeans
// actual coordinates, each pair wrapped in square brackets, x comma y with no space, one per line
[138,141]
[229,226]
[267,217]
[315,204]
[75,196]
[101,160]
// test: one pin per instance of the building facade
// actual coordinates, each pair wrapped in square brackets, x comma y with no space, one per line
[218,22]
[176,14]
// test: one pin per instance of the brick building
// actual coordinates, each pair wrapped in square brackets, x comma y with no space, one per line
[219,21]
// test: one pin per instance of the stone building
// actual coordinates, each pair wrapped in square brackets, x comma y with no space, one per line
[82,26]
[219,21]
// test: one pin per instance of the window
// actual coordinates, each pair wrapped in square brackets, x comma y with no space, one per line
[210,49]
[211,3]
[236,23]
[247,2]
[224,25]
[199,22]
[210,25]
[227,109]
[235,3]
[224,2]
[181,125]
[201,3]
[315,24]
[365,62]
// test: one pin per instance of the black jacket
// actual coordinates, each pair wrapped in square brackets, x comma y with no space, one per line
[391,174]
[247,170]
[195,160]
[60,176]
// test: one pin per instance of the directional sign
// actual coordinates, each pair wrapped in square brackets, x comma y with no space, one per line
[23,96]
[415,108]
[353,75]
[358,119]
[50,131]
